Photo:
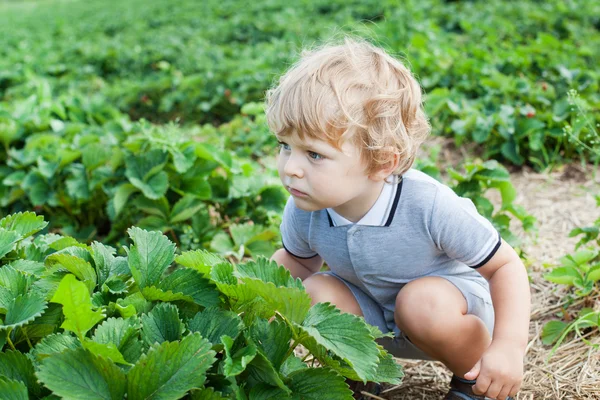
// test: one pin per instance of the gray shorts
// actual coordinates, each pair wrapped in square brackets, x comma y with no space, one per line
[479,303]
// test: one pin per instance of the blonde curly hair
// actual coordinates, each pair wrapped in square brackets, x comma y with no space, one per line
[352,91]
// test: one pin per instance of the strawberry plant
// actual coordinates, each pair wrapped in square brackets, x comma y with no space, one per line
[79,321]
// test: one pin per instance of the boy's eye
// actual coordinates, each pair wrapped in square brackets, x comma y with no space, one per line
[284,146]
[315,156]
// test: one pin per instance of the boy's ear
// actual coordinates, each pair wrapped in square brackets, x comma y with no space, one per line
[385,171]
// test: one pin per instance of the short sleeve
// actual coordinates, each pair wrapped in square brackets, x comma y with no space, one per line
[460,231]
[294,228]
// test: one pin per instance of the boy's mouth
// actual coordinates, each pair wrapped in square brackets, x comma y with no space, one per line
[295,192]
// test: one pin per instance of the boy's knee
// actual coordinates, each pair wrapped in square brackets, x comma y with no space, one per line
[324,288]
[426,304]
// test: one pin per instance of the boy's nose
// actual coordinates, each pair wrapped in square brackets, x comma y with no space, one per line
[293,167]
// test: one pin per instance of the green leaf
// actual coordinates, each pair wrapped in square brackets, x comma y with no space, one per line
[268,271]
[214,322]
[25,224]
[77,306]
[75,265]
[200,260]
[29,267]
[152,293]
[16,282]
[185,208]
[12,389]
[191,283]
[105,350]
[54,344]
[346,335]
[117,331]
[150,256]
[292,364]
[16,366]
[388,370]
[170,370]
[145,173]
[273,339]
[292,303]
[104,258]
[206,394]
[37,188]
[318,384]
[77,183]
[23,310]
[563,275]
[162,324]
[78,374]
[552,331]
[121,195]
[236,363]
[8,240]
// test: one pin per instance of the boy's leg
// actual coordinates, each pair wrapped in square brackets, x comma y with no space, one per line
[324,288]
[432,312]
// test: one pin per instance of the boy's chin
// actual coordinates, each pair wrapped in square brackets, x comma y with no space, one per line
[304,205]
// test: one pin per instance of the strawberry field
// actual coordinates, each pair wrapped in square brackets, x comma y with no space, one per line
[140,203]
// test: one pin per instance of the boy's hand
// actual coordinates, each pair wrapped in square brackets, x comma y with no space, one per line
[499,373]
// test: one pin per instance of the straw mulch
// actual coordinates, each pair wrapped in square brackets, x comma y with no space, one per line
[560,200]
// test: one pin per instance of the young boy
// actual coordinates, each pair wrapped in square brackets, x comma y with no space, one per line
[404,251]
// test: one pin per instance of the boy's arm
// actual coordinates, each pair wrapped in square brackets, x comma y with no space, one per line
[502,363]
[299,267]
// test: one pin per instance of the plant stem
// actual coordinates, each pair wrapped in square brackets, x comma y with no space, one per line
[291,350]
[10,343]
[27,338]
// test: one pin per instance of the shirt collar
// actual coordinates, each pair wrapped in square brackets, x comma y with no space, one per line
[378,214]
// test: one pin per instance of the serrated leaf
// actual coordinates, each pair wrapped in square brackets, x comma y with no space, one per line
[292,364]
[121,196]
[552,331]
[105,350]
[236,363]
[262,370]
[23,310]
[103,261]
[344,334]
[191,283]
[388,370]
[16,282]
[25,224]
[75,265]
[12,389]
[213,322]
[41,326]
[150,256]
[200,260]
[273,339]
[16,366]
[78,374]
[145,173]
[162,324]
[29,267]
[318,384]
[563,275]
[185,208]
[136,300]
[117,331]
[77,306]
[8,241]
[206,394]
[292,303]
[268,271]
[170,370]
[115,285]
[54,344]
[153,293]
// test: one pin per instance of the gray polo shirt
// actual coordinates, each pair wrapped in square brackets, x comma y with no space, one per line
[429,231]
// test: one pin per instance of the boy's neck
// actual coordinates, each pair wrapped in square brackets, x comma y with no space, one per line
[357,208]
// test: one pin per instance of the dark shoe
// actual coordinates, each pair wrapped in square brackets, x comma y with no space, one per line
[462,389]
[358,387]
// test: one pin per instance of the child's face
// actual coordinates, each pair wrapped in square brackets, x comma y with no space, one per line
[320,176]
